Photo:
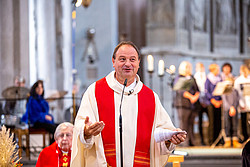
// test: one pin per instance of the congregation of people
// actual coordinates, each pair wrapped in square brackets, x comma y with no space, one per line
[195,95]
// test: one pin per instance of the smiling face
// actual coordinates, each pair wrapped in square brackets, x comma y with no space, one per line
[126,63]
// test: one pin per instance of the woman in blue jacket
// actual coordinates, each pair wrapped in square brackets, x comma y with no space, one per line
[37,110]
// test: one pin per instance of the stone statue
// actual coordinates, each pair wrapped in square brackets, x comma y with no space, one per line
[163,11]
[198,13]
[225,17]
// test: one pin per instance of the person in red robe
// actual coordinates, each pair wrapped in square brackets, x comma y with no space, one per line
[58,153]
[96,138]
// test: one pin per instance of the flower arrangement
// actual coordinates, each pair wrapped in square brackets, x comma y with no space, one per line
[8,153]
[18,164]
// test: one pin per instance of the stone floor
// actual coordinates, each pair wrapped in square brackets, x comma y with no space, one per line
[196,156]
[206,156]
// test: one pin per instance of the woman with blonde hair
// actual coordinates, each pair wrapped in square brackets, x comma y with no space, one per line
[214,102]
[187,95]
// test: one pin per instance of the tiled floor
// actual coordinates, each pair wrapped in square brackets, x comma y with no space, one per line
[197,156]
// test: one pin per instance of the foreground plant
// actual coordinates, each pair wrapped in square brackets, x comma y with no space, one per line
[8,152]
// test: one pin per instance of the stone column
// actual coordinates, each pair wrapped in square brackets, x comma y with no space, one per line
[7,55]
[66,46]
[24,39]
[46,43]
[14,41]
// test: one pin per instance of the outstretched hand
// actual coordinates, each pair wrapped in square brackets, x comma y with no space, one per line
[92,129]
[179,138]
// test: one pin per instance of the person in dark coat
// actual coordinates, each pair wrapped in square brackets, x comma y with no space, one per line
[214,102]
[187,95]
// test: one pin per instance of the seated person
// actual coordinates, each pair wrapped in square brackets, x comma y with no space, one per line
[16,105]
[37,110]
[59,153]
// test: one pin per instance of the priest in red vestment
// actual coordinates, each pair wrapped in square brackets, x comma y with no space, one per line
[58,154]
[96,137]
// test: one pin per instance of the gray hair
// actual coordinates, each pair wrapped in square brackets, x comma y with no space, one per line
[62,126]
[183,70]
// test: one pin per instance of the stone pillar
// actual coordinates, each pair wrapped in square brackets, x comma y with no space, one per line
[14,41]
[24,39]
[59,44]
[66,46]
[46,43]
[7,55]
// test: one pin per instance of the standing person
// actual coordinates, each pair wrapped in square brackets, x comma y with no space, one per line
[58,153]
[230,104]
[37,110]
[187,95]
[96,133]
[215,102]
[244,101]
[200,78]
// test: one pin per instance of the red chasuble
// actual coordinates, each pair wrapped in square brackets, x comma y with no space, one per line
[52,155]
[146,111]
[64,158]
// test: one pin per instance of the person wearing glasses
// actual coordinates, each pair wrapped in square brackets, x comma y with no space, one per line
[58,153]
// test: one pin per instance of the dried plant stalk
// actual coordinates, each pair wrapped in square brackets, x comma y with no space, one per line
[8,152]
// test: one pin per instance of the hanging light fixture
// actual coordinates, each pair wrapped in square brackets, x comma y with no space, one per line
[78,3]
[86,3]
[90,49]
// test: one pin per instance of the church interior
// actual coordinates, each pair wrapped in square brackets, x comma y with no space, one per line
[68,44]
